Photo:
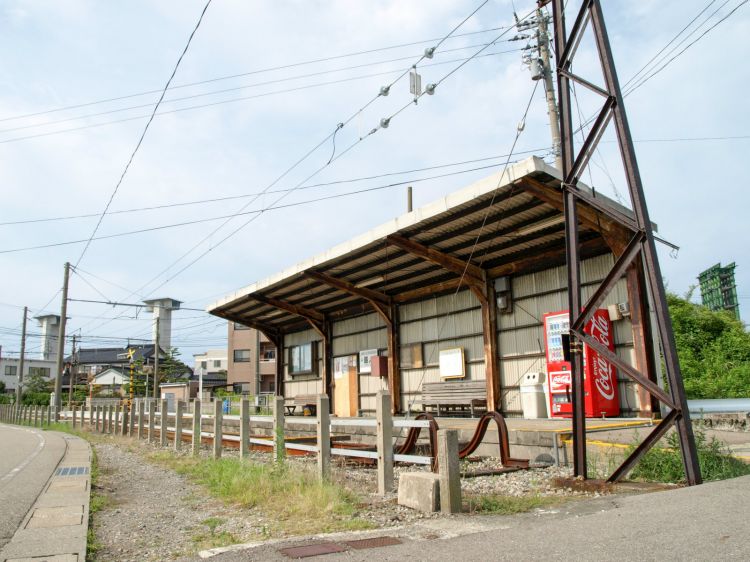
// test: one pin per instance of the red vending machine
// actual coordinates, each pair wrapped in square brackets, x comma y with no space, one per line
[599,376]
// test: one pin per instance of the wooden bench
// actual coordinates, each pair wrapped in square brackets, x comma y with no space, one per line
[450,396]
[301,400]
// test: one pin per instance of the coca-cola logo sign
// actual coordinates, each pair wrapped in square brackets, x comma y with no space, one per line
[599,328]
[559,382]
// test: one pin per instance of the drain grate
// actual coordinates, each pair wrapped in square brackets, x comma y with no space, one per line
[72,471]
[374,542]
[311,550]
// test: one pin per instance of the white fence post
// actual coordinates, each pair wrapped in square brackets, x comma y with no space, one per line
[178,411]
[324,437]
[164,418]
[151,420]
[450,476]
[244,428]
[141,417]
[385,442]
[278,429]
[218,415]
[197,426]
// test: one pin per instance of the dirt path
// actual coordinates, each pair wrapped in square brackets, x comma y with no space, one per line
[152,513]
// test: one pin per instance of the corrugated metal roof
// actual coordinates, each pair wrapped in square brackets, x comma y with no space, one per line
[494,222]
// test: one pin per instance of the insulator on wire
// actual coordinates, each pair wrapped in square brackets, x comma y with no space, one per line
[384,90]
[384,122]
[429,52]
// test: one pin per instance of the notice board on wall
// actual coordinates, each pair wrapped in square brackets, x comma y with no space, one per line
[452,363]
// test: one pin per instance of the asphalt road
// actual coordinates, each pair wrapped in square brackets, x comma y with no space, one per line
[706,522]
[27,459]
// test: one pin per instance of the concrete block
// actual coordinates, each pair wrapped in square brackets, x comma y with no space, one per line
[419,490]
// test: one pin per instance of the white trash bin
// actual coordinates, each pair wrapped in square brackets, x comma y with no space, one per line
[533,397]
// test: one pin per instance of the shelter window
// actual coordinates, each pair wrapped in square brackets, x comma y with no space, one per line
[241,355]
[301,358]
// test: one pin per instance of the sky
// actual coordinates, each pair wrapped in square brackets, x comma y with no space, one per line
[264,85]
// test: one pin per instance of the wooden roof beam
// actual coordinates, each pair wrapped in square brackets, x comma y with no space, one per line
[315,318]
[347,287]
[615,234]
[470,273]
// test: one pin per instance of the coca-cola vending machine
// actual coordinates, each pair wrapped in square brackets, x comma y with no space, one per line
[599,376]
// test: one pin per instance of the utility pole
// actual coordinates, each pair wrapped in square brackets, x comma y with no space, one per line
[61,340]
[156,360]
[73,373]
[19,387]
[541,69]
[408,200]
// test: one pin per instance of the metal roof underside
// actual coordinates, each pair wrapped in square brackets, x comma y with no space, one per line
[496,222]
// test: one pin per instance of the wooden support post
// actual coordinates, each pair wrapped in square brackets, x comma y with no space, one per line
[642,336]
[141,417]
[197,427]
[384,442]
[163,423]
[487,299]
[394,359]
[179,411]
[98,425]
[151,420]
[218,419]
[278,429]
[324,437]
[279,343]
[449,470]
[244,428]
[91,413]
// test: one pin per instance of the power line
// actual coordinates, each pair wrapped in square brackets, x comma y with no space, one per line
[238,99]
[246,195]
[223,91]
[250,73]
[701,36]
[143,134]
[340,125]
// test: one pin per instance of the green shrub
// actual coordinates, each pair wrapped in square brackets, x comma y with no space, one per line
[665,464]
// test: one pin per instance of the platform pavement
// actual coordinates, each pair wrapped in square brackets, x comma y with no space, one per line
[56,527]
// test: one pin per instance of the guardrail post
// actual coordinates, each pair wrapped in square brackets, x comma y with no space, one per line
[244,428]
[163,423]
[278,429]
[324,437]
[384,442]
[179,409]
[197,427]
[449,471]
[118,410]
[74,408]
[125,418]
[151,420]
[218,404]
[141,417]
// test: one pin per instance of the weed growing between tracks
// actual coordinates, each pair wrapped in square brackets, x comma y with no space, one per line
[292,498]
[665,464]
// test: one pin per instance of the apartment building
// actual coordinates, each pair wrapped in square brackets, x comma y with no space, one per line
[251,361]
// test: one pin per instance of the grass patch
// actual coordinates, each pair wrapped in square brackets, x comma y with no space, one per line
[213,538]
[293,499]
[665,464]
[507,505]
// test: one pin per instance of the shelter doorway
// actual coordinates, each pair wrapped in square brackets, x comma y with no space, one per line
[345,386]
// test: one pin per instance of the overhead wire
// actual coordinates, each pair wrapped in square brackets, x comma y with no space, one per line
[250,73]
[143,134]
[272,184]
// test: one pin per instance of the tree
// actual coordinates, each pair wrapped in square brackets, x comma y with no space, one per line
[171,368]
[714,350]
